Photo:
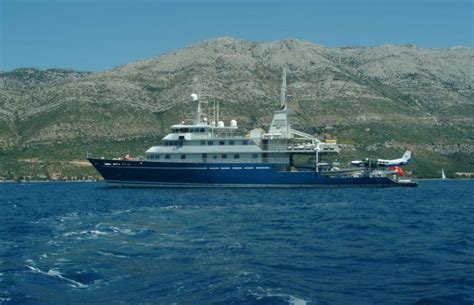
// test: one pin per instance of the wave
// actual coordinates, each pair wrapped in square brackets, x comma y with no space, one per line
[120,212]
[91,233]
[56,274]
[105,230]
[169,207]
[2,300]
[291,299]
[113,254]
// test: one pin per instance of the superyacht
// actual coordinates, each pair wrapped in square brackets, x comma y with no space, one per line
[205,153]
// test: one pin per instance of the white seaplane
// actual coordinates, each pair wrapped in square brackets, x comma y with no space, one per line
[404,160]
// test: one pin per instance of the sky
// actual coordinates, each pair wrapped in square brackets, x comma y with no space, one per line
[95,35]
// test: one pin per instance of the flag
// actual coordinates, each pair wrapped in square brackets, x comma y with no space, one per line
[398,170]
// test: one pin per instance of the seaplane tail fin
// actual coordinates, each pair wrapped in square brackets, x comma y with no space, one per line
[407,155]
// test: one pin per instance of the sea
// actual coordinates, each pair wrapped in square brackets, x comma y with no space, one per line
[84,243]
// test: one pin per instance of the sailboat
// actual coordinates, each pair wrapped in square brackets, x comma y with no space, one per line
[443,175]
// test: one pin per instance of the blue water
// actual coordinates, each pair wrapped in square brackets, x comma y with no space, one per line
[83,243]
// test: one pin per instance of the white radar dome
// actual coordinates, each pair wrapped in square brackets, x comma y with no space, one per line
[220,124]
[233,123]
[194,97]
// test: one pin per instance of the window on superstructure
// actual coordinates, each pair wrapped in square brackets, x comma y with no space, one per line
[214,157]
[209,142]
[255,156]
[231,142]
[245,142]
[204,156]
[183,157]
[224,156]
[157,157]
[236,156]
[202,130]
[221,142]
[203,142]
[167,156]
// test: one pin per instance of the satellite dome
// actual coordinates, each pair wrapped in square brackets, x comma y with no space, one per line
[194,97]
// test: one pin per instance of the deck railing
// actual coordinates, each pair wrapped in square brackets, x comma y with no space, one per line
[228,160]
[246,160]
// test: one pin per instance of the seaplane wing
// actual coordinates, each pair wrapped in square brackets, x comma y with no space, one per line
[404,160]
[357,163]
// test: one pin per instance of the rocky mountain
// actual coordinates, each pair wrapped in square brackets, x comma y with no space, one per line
[406,96]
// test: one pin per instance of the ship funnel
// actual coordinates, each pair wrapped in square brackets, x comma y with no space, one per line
[195,98]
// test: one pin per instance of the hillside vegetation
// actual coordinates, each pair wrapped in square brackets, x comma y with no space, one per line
[382,100]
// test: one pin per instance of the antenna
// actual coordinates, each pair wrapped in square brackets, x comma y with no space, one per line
[283,90]
[214,112]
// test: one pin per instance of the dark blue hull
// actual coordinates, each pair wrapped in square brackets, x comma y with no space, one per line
[135,173]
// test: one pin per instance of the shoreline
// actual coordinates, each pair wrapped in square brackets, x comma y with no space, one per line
[49,181]
[93,181]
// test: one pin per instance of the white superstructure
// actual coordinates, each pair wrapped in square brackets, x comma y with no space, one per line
[204,141]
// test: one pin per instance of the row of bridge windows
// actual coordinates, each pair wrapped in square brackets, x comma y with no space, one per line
[186,130]
[203,156]
[210,143]
[223,142]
